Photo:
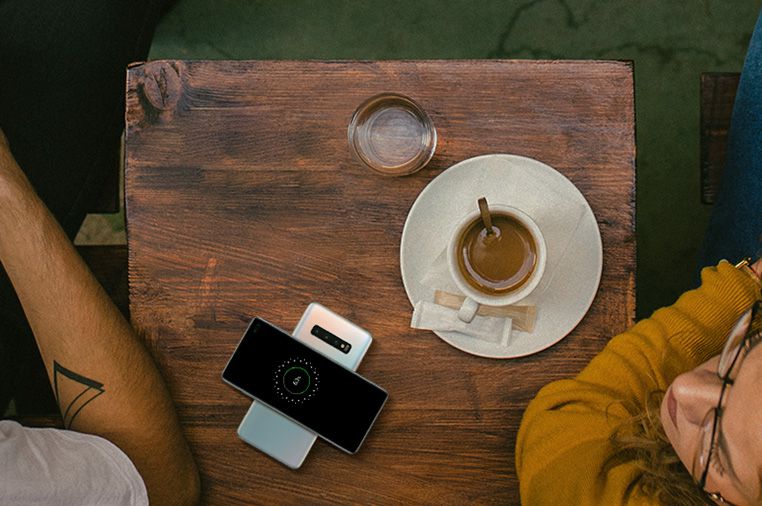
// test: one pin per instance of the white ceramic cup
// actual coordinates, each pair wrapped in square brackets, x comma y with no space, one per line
[475,297]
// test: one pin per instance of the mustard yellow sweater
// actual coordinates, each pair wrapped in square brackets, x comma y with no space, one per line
[563,440]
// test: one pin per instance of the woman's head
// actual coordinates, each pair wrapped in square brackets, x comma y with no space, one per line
[721,446]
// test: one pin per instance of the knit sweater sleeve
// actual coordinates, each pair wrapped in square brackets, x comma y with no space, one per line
[563,440]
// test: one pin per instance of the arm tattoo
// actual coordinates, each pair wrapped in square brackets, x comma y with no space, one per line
[91,390]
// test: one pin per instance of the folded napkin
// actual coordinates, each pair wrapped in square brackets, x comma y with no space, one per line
[432,316]
[429,315]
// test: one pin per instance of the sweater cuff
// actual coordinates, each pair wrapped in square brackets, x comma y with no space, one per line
[725,293]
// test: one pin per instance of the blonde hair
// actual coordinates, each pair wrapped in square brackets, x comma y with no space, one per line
[641,439]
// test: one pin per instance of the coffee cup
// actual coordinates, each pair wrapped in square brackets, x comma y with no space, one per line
[499,267]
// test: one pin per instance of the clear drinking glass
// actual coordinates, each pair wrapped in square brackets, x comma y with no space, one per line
[392,135]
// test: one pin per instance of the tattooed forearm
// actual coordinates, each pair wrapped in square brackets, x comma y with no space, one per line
[79,389]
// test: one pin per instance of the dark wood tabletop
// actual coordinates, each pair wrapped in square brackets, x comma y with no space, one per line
[243,200]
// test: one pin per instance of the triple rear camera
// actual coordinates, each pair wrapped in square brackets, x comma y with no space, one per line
[331,339]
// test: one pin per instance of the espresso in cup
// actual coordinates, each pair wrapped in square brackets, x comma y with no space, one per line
[496,261]
[496,266]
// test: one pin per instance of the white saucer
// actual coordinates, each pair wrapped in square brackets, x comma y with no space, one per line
[575,252]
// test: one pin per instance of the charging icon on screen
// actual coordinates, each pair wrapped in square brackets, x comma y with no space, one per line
[296,380]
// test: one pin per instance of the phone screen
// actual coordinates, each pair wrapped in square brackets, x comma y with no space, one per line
[302,384]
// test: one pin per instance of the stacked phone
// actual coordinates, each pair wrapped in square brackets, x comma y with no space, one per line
[304,386]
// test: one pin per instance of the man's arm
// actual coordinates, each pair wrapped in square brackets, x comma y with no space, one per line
[103,378]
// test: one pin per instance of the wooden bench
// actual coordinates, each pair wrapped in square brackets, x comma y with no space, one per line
[718,92]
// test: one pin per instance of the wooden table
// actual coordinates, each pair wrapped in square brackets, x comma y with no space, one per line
[243,199]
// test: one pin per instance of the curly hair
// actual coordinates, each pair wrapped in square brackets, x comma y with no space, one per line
[641,439]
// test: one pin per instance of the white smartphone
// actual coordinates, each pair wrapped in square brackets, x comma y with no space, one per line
[334,337]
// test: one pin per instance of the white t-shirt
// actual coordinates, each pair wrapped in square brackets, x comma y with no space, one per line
[54,466]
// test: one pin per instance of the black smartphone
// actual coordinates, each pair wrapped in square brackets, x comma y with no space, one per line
[305,386]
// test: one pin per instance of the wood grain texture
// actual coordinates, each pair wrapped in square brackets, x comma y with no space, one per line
[718,93]
[243,199]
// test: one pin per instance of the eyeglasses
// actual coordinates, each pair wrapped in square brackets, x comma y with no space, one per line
[746,333]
